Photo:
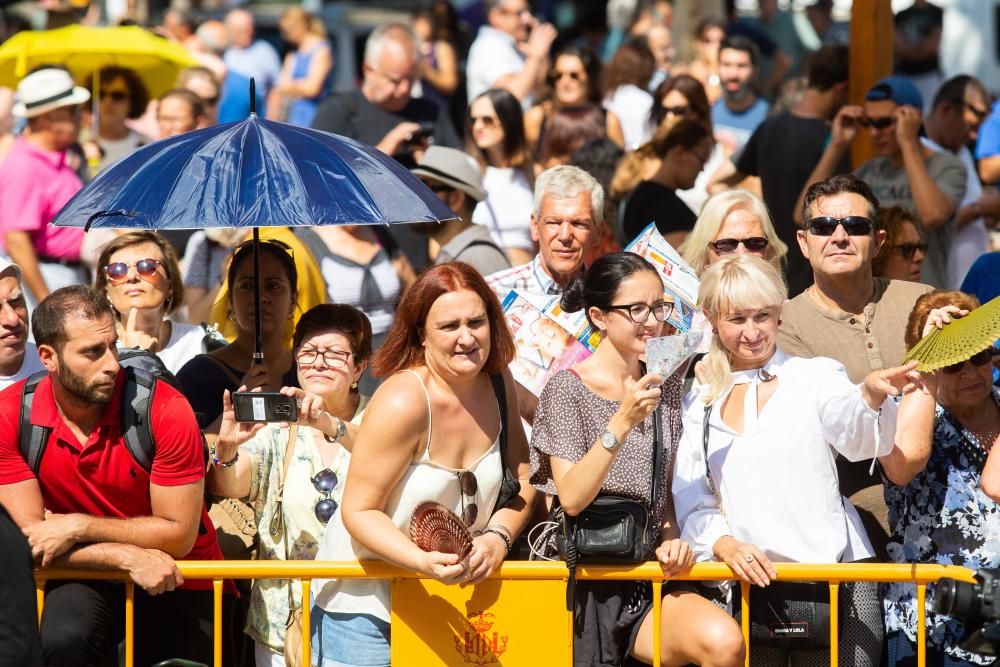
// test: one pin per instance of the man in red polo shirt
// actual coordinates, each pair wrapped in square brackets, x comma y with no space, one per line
[93,506]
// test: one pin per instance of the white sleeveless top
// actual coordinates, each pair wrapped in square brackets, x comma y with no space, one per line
[424,479]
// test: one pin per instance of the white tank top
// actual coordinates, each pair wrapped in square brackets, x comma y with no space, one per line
[424,479]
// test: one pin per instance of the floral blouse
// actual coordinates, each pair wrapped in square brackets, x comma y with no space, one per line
[941,517]
[269,598]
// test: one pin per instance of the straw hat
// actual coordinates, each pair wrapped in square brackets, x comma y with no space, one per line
[45,90]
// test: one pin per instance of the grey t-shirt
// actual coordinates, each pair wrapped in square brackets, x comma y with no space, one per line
[474,245]
[892,187]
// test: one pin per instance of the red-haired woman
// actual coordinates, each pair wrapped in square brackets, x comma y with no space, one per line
[432,431]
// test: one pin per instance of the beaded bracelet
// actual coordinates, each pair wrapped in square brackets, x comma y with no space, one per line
[496,531]
[222,464]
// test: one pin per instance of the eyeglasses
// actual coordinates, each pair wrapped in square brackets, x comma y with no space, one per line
[556,75]
[332,358]
[877,123]
[854,225]
[980,114]
[115,95]
[325,481]
[469,486]
[907,250]
[677,111]
[488,121]
[728,246]
[978,359]
[117,272]
[639,312]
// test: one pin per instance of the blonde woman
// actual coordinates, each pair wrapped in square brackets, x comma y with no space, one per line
[772,422]
[305,79]
[732,222]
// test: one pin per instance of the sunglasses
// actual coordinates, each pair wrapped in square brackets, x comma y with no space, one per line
[469,486]
[639,312]
[115,95]
[325,481]
[555,75]
[117,272]
[677,111]
[728,246]
[877,123]
[978,359]
[907,250]
[488,121]
[854,225]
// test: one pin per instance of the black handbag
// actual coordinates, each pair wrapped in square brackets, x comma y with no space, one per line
[612,529]
[788,615]
[510,486]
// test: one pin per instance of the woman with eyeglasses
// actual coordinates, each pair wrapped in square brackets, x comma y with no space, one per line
[494,135]
[945,509]
[433,431]
[760,432]
[682,148]
[332,345]
[139,273]
[904,249]
[207,376]
[593,435]
[732,222]
[575,80]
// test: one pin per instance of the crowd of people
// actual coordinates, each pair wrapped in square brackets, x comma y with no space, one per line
[796,436]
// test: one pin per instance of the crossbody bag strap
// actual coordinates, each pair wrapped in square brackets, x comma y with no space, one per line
[278,519]
[705,430]
[657,455]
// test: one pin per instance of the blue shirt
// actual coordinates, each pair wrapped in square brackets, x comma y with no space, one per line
[988,142]
[733,129]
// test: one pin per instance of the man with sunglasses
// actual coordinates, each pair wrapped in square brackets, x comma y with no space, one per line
[36,181]
[848,314]
[959,108]
[904,172]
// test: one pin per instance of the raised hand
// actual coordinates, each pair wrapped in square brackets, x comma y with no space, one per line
[641,398]
[232,433]
[938,317]
[890,382]
[133,337]
[845,125]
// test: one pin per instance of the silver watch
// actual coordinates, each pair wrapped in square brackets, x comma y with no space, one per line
[609,441]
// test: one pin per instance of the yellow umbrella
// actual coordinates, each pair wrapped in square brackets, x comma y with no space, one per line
[84,50]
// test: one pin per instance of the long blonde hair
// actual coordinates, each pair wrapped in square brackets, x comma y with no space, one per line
[733,283]
[714,212]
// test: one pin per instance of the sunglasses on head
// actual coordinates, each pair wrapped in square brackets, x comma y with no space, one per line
[115,95]
[854,225]
[325,481]
[978,359]
[469,486]
[117,272]
[877,123]
[727,246]
[907,250]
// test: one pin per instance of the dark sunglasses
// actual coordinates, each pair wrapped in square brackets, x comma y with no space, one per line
[469,486]
[854,225]
[727,246]
[115,95]
[488,121]
[978,359]
[325,481]
[639,312]
[117,272]
[677,111]
[907,250]
[555,75]
[877,123]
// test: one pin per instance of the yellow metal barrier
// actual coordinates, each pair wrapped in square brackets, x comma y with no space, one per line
[514,575]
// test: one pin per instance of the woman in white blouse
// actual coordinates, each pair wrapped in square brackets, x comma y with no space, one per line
[775,425]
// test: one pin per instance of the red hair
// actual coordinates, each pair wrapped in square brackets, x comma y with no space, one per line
[403,346]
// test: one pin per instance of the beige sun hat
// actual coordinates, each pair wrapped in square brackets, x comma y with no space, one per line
[45,90]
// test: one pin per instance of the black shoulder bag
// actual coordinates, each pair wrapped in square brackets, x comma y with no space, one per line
[789,615]
[612,529]
[510,486]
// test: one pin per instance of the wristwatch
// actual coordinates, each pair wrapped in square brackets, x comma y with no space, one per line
[609,441]
[341,431]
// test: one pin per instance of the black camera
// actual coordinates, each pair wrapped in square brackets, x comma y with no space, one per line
[977,606]
[424,133]
[262,406]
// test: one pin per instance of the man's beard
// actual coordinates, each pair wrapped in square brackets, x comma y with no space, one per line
[77,387]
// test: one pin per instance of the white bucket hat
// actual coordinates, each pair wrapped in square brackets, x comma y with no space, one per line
[45,90]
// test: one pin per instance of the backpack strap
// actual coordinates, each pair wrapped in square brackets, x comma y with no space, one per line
[32,438]
[136,416]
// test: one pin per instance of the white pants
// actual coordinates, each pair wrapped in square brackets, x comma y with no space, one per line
[265,657]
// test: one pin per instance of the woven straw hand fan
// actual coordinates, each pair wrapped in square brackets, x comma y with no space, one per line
[959,339]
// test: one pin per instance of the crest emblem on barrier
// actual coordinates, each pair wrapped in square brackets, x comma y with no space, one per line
[481,644]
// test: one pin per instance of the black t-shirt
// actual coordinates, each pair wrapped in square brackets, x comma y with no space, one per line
[652,202]
[913,25]
[351,114]
[783,151]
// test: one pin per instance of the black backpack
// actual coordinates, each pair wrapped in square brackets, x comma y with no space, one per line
[143,370]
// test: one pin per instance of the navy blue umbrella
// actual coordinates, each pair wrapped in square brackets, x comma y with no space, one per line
[254,173]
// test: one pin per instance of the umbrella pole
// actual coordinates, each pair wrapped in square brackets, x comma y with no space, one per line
[258,355]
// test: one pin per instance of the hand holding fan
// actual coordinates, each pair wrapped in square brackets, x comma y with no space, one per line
[958,340]
[433,527]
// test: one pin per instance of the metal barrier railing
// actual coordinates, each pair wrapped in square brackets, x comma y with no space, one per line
[306,571]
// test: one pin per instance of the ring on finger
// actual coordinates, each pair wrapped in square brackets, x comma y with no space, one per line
[748,558]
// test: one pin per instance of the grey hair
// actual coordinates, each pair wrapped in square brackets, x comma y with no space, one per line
[566,182]
[389,31]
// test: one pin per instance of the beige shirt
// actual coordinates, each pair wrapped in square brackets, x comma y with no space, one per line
[863,343]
